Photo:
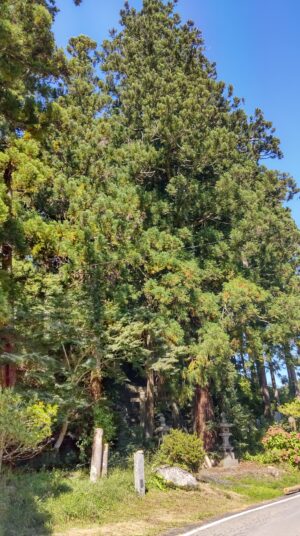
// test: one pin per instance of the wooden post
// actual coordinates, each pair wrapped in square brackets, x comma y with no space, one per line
[139,473]
[105,460]
[96,461]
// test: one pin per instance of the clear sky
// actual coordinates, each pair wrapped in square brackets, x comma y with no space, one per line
[255,43]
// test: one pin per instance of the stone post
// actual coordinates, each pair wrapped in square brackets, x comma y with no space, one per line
[96,461]
[139,473]
[105,460]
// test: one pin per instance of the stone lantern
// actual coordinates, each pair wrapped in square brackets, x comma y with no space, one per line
[229,459]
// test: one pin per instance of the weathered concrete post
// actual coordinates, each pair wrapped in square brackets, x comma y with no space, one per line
[104,460]
[96,461]
[139,473]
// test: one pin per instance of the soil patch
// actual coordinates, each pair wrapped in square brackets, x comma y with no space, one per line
[224,475]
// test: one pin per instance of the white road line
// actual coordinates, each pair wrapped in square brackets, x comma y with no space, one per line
[240,514]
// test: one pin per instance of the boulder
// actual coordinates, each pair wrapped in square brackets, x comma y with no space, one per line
[177,477]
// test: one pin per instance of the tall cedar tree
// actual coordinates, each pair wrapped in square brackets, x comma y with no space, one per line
[29,64]
[195,158]
[147,233]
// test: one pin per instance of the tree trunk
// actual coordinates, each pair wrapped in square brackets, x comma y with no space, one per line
[175,415]
[7,250]
[8,375]
[149,406]
[96,384]
[254,376]
[142,401]
[262,378]
[8,371]
[62,435]
[292,376]
[203,413]
[274,383]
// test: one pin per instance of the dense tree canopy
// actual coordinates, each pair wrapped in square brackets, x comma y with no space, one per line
[147,251]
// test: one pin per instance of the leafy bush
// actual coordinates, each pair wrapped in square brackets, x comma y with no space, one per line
[181,449]
[291,409]
[23,426]
[104,418]
[281,446]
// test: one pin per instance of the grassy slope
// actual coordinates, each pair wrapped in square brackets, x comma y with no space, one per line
[36,504]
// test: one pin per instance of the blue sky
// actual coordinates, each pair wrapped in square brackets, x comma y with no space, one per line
[255,43]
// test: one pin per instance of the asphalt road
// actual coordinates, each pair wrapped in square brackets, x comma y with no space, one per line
[280,518]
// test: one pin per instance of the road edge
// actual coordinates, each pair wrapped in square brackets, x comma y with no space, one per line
[193,530]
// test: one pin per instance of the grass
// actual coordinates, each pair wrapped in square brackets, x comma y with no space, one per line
[261,489]
[67,504]
[34,503]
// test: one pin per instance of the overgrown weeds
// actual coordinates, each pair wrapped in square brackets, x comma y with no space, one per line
[46,503]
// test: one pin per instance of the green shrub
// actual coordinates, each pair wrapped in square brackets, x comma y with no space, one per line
[181,449]
[281,446]
[23,426]
[102,417]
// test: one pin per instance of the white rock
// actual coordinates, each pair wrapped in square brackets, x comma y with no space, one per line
[177,476]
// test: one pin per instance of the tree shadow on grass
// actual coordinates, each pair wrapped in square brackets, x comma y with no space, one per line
[22,502]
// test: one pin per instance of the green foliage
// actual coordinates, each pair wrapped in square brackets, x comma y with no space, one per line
[32,424]
[291,409]
[155,481]
[28,61]
[241,403]
[182,449]
[145,237]
[39,502]
[104,418]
